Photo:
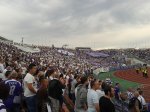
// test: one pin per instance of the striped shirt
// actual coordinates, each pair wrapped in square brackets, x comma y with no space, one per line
[2,106]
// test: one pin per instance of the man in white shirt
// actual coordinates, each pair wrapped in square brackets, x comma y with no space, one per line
[142,101]
[30,88]
[92,97]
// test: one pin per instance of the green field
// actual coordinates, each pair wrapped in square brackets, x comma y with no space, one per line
[124,83]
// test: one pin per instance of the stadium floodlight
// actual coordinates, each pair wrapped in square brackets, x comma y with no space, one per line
[22,41]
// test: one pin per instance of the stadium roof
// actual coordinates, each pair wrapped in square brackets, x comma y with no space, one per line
[2,38]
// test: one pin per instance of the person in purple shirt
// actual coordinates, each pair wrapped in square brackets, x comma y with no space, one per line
[117,91]
[12,103]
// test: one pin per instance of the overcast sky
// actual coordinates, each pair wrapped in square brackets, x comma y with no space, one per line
[91,23]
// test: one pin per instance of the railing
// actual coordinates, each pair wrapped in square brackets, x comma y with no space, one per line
[124,67]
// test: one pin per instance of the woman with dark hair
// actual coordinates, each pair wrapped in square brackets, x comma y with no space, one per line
[42,95]
[49,74]
[4,93]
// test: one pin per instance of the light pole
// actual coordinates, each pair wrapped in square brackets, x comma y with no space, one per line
[22,41]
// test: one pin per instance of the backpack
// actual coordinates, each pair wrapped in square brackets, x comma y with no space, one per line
[132,103]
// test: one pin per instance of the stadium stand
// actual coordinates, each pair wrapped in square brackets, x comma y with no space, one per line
[59,79]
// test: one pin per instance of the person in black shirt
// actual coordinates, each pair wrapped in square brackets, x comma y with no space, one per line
[105,102]
[55,93]
[4,93]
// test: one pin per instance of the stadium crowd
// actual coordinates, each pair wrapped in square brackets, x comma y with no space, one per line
[49,81]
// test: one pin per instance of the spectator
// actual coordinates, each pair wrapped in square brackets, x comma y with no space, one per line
[78,82]
[49,74]
[90,78]
[142,101]
[92,97]
[81,95]
[42,95]
[4,93]
[13,101]
[30,88]
[130,93]
[100,91]
[55,93]
[19,72]
[105,102]
[73,83]
[117,91]
[124,97]
[66,101]
[108,81]
[134,103]
[1,65]
[7,75]
[1,69]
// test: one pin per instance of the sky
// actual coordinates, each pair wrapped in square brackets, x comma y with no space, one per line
[78,23]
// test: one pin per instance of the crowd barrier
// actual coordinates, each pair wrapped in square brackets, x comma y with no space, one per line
[124,67]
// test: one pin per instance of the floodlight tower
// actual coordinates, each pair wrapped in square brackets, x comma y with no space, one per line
[22,41]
